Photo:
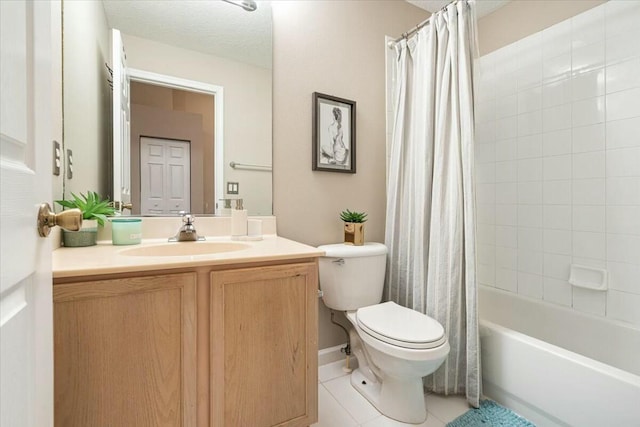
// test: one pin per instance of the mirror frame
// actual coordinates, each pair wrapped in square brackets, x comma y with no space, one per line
[200,87]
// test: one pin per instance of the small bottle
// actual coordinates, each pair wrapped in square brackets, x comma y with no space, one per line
[238,221]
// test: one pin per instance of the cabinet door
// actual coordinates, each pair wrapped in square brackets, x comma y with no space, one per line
[125,352]
[264,351]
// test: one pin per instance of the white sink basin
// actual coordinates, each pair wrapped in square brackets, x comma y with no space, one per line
[184,249]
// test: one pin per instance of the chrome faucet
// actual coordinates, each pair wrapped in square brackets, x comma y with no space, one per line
[186,233]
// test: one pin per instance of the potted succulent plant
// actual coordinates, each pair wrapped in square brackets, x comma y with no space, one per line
[94,213]
[353,227]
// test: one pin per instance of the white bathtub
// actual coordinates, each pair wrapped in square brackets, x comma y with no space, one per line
[556,366]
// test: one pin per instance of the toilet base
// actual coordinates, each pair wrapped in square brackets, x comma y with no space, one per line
[399,398]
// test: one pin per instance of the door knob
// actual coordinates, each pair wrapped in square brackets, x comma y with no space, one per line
[70,219]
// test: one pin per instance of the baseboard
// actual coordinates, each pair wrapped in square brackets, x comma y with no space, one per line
[330,355]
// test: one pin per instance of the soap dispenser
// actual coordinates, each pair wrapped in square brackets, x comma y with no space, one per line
[238,221]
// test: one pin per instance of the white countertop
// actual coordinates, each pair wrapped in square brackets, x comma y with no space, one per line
[105,258]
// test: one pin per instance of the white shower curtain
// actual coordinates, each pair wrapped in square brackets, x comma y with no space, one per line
[430,225]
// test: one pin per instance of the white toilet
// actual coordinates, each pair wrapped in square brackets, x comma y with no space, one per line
[395,346]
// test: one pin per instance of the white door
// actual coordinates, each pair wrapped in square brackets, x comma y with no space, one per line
[165,176]
[121,122]
[26,320]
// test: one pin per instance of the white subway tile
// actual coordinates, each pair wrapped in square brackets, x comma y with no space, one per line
[588,138]
[485,111]
[556,118]
[624,104]
[623,306]
[506,193]
[485,173]
[530,216]
[486,254]
[530,169]
[486,213]
[588,111]
[623,133]
[622,47]
[506,171]
[506,128]
[556,266]
[588,27]
[624,277]
[487,274]
[557,167]
[557,192]
[557,291]
[556,93]
[589,191]
[530,74]
[506,84]
[506,215]
[624,75]
[623,162]
[621,17]
[506,150]
[529,261]
[506,258]
[507,279]
[506,106]
[486,234]
[556,143]
[529,146]
[556,68]
[588,57]
[589,165]
[589,245]
[486,193]
[530,239]
[530,285]
[589,218]
[507,236]
[557,242]
[623,219]
[485,153]
[557,217]
[530,100]
[485,132]
[589,301]
[556,40]
[623,191]
[530,193]
[588,85]
[623,248]
[530,123]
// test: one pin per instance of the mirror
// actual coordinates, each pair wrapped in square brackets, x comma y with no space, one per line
[212,43]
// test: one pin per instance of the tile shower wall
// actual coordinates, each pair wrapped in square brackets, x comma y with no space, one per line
[558,161]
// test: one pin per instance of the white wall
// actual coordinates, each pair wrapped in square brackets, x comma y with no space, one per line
[86,96]
[558,161]
[247,108]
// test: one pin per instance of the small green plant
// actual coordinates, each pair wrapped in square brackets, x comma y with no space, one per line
[348,216]
[91,205]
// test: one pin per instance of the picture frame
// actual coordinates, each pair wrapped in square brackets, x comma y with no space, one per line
[334,134]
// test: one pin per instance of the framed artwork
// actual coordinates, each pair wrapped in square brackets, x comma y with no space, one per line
[334,134]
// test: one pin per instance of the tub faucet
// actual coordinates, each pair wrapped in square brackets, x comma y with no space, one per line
[186,233]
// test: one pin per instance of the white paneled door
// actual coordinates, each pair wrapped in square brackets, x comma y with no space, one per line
[26,329]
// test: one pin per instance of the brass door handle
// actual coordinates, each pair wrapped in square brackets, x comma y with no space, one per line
[70,219]
[120,206]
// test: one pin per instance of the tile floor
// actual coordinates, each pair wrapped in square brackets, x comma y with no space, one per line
[340,405]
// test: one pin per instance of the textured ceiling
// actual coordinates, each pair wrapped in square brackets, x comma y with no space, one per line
[483,7]
[207,26]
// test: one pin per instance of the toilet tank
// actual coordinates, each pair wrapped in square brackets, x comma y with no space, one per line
[352,276]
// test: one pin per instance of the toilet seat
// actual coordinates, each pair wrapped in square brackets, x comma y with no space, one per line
[400,326]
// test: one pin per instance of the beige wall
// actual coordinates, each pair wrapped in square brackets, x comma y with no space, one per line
[335,48]
[87,96]
[247,108]
[521,18]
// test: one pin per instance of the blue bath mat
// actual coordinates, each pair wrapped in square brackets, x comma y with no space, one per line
[490,414]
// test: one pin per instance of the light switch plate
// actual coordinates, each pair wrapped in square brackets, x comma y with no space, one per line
[57,158]
[69,164]
[233,187]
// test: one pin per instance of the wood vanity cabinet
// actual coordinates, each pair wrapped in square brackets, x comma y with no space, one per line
[220,346]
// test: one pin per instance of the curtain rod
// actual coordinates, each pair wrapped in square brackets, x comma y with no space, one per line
[417,28]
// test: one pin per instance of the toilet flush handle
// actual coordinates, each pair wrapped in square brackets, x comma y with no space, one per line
[339,261]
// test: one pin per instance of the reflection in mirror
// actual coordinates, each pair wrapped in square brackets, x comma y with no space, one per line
[213,43]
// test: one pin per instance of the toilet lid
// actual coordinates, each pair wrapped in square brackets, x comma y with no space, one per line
[401,326]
